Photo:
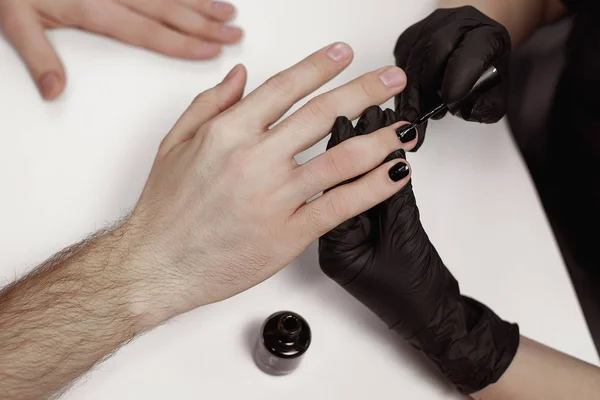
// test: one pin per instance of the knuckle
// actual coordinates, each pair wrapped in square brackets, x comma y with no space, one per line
[309,177]
[329,213]
[165,145]
[239,155]
[340,163]
[211,27]
[319,68]
[333,163]
[239,167]
[440,44]
[279,84]
[338,208]
[320,109]
[214,128]
[316,219]
[368,88]
[204,100]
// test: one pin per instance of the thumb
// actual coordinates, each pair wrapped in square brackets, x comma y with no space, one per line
[23,29]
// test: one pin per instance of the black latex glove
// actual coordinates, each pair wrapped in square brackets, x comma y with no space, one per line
[443,56]
[384,258]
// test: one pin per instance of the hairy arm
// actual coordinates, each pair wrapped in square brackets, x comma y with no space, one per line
[67,315]
[541,373]
[212,221]
[520,17]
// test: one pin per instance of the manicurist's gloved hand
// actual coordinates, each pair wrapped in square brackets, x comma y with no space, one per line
[384,258]
[444,55]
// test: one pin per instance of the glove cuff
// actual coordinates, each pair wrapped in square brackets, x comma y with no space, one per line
[472,346]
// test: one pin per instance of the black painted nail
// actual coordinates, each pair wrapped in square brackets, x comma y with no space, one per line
[407,133]
[399,171]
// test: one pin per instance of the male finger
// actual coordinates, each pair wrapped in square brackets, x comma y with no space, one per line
[120,22]
[22,28]
[344,202]
[349,159]
[217,10]
[205,107]
[315,119]
[186,20]
[276,96]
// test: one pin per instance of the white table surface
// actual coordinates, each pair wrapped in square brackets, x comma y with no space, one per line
[72,166]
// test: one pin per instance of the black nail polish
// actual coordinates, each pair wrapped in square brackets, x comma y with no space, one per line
[399,171]
[407,133]
[284,338]
[400,153]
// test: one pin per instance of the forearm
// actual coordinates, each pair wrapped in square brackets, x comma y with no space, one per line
[520,17]
[67,315]
[541,373]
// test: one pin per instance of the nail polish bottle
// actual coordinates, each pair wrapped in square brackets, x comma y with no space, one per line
[284,338]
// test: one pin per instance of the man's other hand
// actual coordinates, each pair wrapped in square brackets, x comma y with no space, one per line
[192,29]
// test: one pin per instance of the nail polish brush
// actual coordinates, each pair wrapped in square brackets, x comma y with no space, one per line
[488,80]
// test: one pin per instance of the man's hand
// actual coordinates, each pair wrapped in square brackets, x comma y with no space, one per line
[443,56]
[225,207]
[194,29]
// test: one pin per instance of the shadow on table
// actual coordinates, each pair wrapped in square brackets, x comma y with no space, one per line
[306,273]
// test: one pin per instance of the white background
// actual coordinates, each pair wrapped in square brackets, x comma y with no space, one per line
[70,167]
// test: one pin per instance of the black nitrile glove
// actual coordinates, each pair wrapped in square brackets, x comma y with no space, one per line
[384,258]
[443,56]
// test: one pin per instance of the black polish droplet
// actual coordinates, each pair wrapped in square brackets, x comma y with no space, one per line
[407,133]
[399,171]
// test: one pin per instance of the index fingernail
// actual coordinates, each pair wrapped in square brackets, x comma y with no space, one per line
[393,77]
[339,52]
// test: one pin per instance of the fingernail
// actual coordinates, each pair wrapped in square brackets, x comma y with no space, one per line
[230,32]
[48,83]
[393,77]
[339,52]
[407,133]
[232,73]
[221,7]
[399,171]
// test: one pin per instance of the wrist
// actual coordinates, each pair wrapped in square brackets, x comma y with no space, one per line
[472,346]
[163,280]
[137,262]
[110,269]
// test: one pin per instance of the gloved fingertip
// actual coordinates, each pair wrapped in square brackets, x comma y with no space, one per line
[389,117]
[340,122]
[370,121]
[342,130]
